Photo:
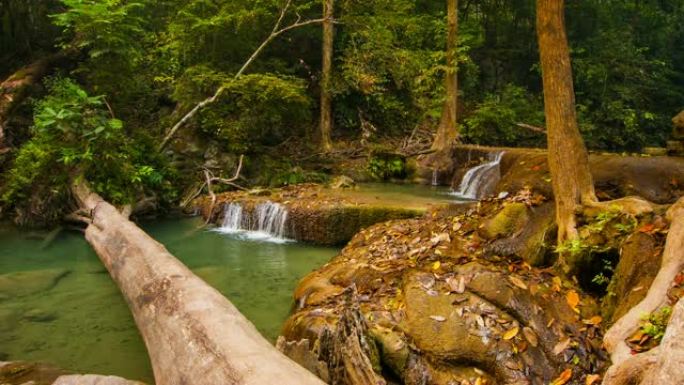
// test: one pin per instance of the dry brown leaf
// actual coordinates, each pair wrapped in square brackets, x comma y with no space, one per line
[563,378]
[518,282]
[573,299]
[511,333]
[561,346]
[531,336]
[595,320]
[592,379]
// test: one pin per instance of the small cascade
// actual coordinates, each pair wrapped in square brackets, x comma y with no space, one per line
[232,218]
[271,218]
[266,222]
[478,180]
[435,173]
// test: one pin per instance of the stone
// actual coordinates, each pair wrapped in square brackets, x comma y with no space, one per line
[20,373]
[92,379]
[39,315]
[506,222]
[342,181]
[655,151]
[678,130]
[675,147]
[22,283]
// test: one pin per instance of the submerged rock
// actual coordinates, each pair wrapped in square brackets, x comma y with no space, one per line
[22,283]
[21,373]
[92,379]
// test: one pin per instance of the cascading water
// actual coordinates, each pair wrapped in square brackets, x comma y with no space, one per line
[266,222]
[477,181]
[435,174]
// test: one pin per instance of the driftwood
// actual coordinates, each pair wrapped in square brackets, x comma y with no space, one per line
[193,334]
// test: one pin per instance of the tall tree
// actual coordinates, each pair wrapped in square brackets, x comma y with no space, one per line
[568,159]
[447,132]
[326,99]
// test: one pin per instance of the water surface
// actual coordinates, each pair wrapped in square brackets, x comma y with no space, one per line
[82,323]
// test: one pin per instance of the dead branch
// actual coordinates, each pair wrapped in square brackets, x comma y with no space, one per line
[275,32]
[532,128]
[211,179]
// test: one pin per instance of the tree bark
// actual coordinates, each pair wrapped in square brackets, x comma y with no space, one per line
[326,99]
[15,89]
[193,334]
[447,132]
[568,159]
[672,264]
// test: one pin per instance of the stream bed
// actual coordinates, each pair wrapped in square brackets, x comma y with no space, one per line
[58,304]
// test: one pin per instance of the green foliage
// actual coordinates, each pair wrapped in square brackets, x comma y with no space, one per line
[259,109]
[655,324]
[494,120]
[74,135]
[384,166]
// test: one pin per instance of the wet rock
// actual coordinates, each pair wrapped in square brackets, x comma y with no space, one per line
[441,307]
[342,181]
[511,219]
[22,283]
[39,315]
[639,263]
[9,319]
[92,379]
[20,373]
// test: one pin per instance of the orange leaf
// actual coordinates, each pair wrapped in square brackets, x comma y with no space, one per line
[595,320]
[647,228]
[563,378]
[573,299]
[511,333]
[591,379]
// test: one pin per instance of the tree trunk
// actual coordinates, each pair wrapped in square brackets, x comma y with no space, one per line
[326,99]
[568,160]
[193,334]
[447,132]
[15,89]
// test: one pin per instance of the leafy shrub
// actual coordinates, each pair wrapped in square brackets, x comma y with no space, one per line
[259,109]
[494,120]
[386,166]
[73,135]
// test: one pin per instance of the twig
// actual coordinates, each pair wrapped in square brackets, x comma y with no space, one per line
[531,127]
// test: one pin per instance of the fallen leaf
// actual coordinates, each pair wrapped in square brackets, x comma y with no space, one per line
[438,318]
[573,299]
[518,282]
[647,228]
[591,379]
[557,284]
[595,320]
[561,346]
[436,265]
[456,285]
[563,378]
[531,336]
[511,333]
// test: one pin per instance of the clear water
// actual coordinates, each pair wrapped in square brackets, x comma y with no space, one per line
[405,195]
[83,323]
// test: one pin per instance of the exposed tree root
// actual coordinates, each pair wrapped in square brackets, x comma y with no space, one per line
[672,264]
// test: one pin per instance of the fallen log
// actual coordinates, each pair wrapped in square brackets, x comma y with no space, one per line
[193,334]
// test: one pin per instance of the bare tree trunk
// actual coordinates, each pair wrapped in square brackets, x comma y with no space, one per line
[447,132]
[193,334]
[568,160]
[326,99]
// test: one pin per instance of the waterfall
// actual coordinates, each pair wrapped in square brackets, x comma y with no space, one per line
[266,222]
[478,180]
[434,177]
